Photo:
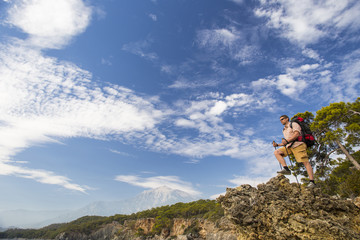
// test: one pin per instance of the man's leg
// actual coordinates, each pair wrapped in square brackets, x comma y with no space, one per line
[309,170]
[279,156]
[301,156]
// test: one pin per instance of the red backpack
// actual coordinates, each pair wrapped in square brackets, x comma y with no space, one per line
[306,134]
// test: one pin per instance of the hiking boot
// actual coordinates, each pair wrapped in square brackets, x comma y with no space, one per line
[284,172]
[311,185]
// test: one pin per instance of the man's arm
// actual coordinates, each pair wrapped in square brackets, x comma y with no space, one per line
[294,137]
[284,141]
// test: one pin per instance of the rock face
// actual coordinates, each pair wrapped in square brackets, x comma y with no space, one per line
[279,210]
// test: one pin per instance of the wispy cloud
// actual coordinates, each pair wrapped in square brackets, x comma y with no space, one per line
[253,181]
[140,48]
[310,53]
[41,176]
[121,153]
[106,61]
[50,23]
[218,37]
[185,83]
[193,161]
[350,76]
[229,41]
[295,80]
[153,17]
[173,182]
[214,136]
[43,99]
[237,1]
[306,22]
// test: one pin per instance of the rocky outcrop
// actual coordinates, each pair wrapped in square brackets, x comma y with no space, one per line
[280,210]
[357,202]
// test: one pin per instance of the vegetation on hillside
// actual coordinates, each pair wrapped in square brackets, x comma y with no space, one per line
[205,209]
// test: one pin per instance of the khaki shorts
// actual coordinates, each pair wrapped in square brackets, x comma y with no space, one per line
[299,153]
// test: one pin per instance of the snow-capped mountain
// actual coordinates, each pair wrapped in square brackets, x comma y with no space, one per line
[160,197]
[146,200]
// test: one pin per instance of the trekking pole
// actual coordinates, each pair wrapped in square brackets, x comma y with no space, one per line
[292,167]
[279,163]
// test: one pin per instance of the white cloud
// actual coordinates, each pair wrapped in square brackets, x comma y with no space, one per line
[245,54]
[237,1]
[290,87]
[50,23]
[215,196]
[173,182]
[218,108]
[262,83]
[294,81]
[121,153]
[306,22]
[253,181]
[228,41]
[106,61]
[308,52]
[184,83]
[249,132]
[41,176]
[43,99]
[193,161]
[140,48]
[215,136]
[217,37]
[350,76]
[153,17]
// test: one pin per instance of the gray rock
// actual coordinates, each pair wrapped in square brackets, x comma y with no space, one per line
[279,210]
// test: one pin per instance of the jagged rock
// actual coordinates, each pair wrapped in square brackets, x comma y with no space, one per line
[280,210]
[357,202]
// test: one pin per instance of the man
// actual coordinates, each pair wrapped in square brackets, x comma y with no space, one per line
[292,146]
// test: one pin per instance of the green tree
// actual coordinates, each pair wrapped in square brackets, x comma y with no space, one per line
[353,123]
[342,180]
[334,125]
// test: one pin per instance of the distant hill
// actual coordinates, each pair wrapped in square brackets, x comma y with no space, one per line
[146,200]
[22,218]
[181,217]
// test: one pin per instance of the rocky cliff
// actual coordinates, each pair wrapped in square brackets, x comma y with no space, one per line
[280,210]
[182,229]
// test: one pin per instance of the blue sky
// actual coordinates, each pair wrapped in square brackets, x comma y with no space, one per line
[101,100]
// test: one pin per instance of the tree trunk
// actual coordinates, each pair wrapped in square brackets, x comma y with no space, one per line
[354,112]
[351,158]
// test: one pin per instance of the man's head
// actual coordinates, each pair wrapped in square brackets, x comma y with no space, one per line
[284,119]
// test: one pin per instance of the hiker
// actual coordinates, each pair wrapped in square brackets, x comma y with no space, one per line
[291,146]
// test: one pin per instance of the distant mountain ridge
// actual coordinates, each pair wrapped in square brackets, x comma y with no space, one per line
[146,200]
